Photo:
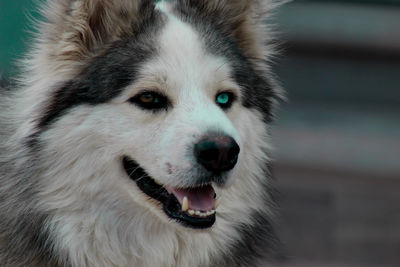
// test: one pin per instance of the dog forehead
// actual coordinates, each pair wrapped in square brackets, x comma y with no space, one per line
[178,38]
[183,54]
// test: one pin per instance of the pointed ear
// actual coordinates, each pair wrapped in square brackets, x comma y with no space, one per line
[242,20]
[74,29]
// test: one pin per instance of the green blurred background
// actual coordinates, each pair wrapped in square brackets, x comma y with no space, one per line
[14,26]
[337,156]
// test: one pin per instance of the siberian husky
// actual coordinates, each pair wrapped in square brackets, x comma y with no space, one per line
[139,136]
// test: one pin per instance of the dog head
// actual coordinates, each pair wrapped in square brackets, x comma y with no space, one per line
[151,108]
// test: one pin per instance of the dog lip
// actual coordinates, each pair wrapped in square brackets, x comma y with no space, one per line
[171,206]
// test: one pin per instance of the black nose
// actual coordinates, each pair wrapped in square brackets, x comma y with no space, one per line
[217,153]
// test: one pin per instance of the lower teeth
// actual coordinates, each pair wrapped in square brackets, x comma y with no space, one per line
[200,214]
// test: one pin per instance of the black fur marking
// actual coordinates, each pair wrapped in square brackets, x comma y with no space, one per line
[258,90]
[107,74]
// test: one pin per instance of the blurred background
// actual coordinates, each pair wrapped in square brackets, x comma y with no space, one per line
[337,139]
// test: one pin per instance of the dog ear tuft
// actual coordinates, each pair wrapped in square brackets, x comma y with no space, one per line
[75,29]
[242,20]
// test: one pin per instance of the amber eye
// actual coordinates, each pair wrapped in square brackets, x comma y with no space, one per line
[151,101]
[149,98]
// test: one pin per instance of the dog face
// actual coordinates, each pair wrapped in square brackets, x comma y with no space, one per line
[175,127]
[138,118]
[155,111]
[181,106]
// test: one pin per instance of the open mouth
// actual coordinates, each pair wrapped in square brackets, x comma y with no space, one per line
[192,207]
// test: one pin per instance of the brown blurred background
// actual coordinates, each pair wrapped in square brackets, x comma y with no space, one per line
[337,140]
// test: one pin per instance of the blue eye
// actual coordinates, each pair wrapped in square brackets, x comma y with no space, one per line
[225,99]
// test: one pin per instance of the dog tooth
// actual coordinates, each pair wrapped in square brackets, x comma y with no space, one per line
[185,204]
[197,212]
[191,212]
[217,202]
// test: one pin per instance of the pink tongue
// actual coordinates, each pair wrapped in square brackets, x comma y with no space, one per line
[200,198]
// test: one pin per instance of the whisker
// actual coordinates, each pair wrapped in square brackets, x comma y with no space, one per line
[133,171]
[142,177]
[223,64]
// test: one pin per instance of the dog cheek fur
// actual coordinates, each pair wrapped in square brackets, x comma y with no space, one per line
[92,207]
